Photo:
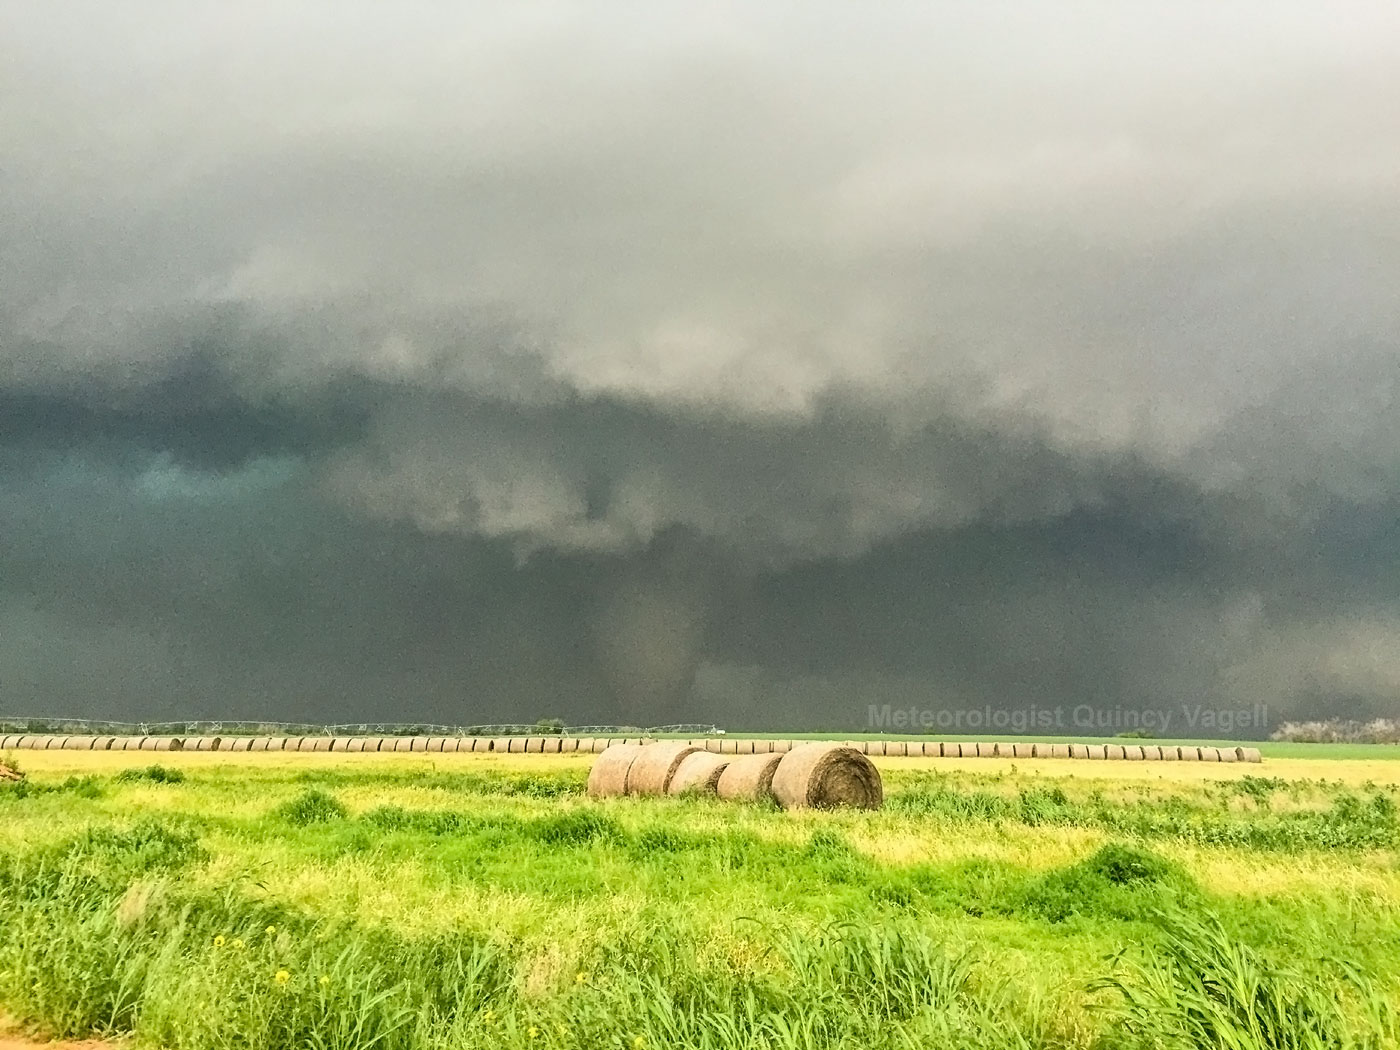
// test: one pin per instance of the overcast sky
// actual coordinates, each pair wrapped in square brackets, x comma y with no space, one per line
[652,362]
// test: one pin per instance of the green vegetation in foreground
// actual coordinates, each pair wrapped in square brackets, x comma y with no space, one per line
[405,908]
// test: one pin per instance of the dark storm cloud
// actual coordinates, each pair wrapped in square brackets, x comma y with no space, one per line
[726,363]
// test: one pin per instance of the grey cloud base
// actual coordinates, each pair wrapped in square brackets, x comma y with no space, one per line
[755,368]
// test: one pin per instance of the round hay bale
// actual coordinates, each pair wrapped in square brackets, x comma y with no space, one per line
[1113,751]
[1169,753]
[1023,751]
[480,744]
[714,745]
[535,745]
[826,776]
[1210,754]
[601,744]
[743,747]
[782,747]
[654,767]
[1078,750]
[162,744]
[1151,753]
[568,745]
[500,744]
[1132,752]
[1227,754]
[1248,754]
[983,750]
[1096,751]
[1059,751]
[697,774]
[261,743]
[728,747]
[418,743]
[897,748]
[78,743]
[7,741]
[452,744]
[750,777]
[1189,754]
[516,745]
[608,777]
[25,743]
[553,745]
[241,743]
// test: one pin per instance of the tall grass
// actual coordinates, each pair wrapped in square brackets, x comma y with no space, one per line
[704,926]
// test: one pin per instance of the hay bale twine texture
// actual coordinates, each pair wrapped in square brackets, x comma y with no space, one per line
[698,773]
[750,777]
[654,767]
[1249,754]
[608,777]
[825,776]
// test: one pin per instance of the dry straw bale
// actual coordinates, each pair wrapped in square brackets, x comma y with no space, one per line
[164,744]
[1132,752]
[1189,754]
[654,767]
[553,745]
[782,747]
[322,743]
[1169,753]
[750,777]
[1059,751]
[24,743]
[608,777]
[1210,754]
[897,748]
[77,743]
[1227,754]
[826,776]
[1096,751]
[535,745]
[1078,750]
[1113,751]
[1023,751]
[568,745]
[7,741]
[745,747]
[985,750]
[1249,754]
[340,743]
[728,747]
[1151,753]
[698,773]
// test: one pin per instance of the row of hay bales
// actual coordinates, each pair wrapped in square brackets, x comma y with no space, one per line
[596,745]
[820,775]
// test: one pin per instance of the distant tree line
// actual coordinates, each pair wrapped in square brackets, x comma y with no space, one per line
[1340,731]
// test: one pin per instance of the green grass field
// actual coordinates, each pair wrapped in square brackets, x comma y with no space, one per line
[405,901]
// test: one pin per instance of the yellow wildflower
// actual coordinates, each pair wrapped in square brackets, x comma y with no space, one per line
[638,1043]
[325,981]
[489,1016]
[580,978]
[219,941]
[282,977]
[534,1031]
[271,930]
[238,942]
